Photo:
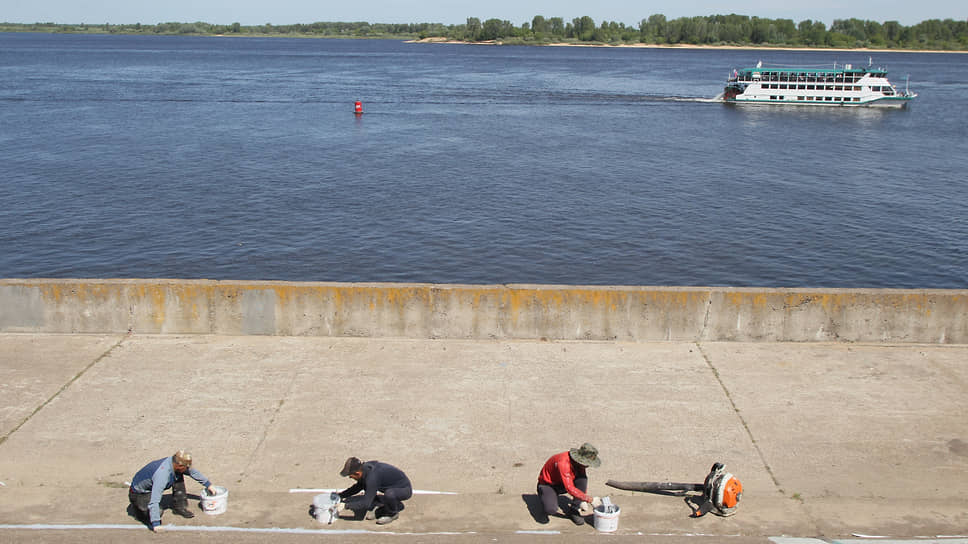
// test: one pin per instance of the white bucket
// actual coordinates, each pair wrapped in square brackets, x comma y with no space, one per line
[217,503]
[606,520]
[324,507]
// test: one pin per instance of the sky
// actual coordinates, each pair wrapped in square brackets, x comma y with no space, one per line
[630,12]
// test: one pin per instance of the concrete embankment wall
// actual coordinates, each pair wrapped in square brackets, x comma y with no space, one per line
[483,311]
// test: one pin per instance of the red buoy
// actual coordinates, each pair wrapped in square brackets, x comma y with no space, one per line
[358,107]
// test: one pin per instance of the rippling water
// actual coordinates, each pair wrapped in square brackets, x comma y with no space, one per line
[230,158]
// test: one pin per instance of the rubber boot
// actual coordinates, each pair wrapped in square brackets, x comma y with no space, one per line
[179,500]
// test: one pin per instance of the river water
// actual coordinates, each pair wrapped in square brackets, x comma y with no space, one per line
[241,158]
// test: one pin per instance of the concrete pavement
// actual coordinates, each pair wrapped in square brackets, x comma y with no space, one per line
[828,439]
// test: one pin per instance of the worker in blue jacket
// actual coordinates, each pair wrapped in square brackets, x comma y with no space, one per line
[153,479]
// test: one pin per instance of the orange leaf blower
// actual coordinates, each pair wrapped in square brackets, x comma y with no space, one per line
[721,491]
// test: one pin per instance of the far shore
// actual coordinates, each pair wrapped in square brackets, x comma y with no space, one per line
[685,46]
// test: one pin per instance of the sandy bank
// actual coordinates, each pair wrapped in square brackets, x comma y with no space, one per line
[686,46]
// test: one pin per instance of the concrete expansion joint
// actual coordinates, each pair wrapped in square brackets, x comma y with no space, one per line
[705,318]
[63,388]
[739,416]
[265,432]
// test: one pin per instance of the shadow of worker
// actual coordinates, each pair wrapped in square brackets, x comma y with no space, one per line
[535,508]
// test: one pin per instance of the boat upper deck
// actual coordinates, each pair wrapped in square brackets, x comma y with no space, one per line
[845,72]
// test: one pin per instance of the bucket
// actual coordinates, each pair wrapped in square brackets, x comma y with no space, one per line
[217,503]
[324,507]
[606,518]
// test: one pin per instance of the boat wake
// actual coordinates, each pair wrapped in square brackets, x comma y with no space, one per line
[672,98]
[704,100]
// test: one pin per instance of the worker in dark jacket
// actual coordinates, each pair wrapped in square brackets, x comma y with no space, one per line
[372,477]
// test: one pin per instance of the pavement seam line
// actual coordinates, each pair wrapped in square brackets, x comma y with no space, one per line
[705,318]
[749,433]
[742,420]
[270,423]
[62,389]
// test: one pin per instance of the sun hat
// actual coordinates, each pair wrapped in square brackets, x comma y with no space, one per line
[350,466]
[586,455]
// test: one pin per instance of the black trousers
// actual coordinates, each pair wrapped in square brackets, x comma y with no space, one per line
[549,495]
[392,499]
[179,497]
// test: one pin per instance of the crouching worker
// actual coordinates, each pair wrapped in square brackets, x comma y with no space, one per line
[565,473]
[153,479]
[372,477]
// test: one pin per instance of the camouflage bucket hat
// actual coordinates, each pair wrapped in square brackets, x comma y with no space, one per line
[586,455]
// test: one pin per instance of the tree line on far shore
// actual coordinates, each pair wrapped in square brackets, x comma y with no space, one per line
[736,30]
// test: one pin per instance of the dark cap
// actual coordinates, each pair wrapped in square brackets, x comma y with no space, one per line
[350,466]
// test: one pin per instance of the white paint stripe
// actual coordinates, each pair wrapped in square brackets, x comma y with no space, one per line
[415,491]
[54,527]
[190,528]
[918,540]
[281,530]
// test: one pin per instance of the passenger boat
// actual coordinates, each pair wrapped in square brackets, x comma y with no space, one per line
[842,85]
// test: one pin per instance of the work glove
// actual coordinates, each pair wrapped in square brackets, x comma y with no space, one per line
[340,506]
[585,509]
[596,502]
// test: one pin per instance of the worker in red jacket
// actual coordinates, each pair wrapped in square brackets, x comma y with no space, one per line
[565,473]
